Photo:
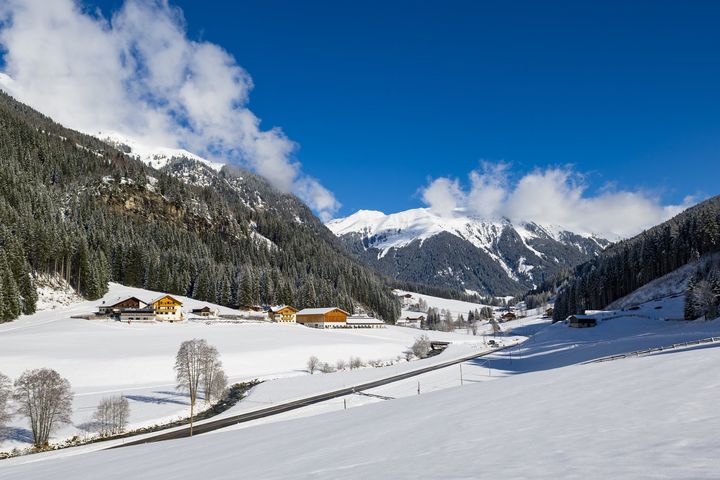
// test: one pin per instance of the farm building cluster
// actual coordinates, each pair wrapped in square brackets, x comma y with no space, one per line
[327,317]
[166,308]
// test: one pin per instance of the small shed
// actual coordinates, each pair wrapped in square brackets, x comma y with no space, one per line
[414,321]
[205,311]
[581,321]
[506,317]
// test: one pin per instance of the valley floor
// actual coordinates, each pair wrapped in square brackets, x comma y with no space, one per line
[535,410]
[105,358]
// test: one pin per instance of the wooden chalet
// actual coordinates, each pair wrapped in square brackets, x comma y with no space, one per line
[167,308]
[283,313]
[506,317]
[330,317]
[116,306]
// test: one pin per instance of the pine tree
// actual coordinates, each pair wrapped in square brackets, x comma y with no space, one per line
[11,294]
[28,291]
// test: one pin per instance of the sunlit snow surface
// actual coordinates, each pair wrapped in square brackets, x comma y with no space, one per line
[533,411]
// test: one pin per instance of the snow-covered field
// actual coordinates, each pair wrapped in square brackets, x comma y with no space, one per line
[532,411]
[103,358]
[648,417]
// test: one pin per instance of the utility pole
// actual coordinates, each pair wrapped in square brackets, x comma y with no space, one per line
[461,377]
[418,387]
[345,403]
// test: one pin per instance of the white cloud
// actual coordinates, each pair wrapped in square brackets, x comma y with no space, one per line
[552,196]
[138,74]
[443,195]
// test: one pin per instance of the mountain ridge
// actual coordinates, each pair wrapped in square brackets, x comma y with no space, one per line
[464,252]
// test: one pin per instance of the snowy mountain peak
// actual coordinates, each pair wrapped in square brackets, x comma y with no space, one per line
[462,250]
[156,157]
[399,229]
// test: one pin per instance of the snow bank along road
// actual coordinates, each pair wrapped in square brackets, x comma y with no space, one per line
[212,425]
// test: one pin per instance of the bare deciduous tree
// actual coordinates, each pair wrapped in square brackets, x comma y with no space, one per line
[111,415]
[474,328]
[341,365]
[46,399]
[218,385]
[192,363]
[312,364]
[5,393]
[326,368]
[355,362]
[213,377]
[421,347]
[496,328]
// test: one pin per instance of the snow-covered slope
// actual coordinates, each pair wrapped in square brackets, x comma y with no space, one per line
[450,247]
[156,157]
[649,417]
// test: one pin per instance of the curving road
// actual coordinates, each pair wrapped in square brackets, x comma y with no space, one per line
[293,405]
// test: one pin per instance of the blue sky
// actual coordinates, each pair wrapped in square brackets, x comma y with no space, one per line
[381,95]
[384,96]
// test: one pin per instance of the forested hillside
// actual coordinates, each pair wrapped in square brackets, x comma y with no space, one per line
[73,206]
[630,264]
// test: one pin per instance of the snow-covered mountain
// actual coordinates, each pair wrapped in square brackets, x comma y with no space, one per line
[463,252]
[156,157]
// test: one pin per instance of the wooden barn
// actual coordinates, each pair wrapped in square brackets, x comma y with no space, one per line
[506,317]
[167,308]
[283,313]
[330,317]
[581,321]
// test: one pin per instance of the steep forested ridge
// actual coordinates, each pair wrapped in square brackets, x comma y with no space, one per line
[630,264]
[74,206]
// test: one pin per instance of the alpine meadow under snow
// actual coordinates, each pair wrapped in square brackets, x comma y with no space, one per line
[183,295]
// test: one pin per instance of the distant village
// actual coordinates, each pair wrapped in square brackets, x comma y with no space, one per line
[166,308]
[417,314]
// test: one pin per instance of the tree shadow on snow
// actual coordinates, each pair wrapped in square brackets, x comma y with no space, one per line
[173,393]
[89,426]
[17,434]
[155,400]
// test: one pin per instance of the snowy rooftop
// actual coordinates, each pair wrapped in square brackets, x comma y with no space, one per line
[362,319]
[319,311]
[277,308]
[160,297]
[117,300]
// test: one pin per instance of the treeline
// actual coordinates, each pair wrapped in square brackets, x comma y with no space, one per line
[630,264]
[74,207]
